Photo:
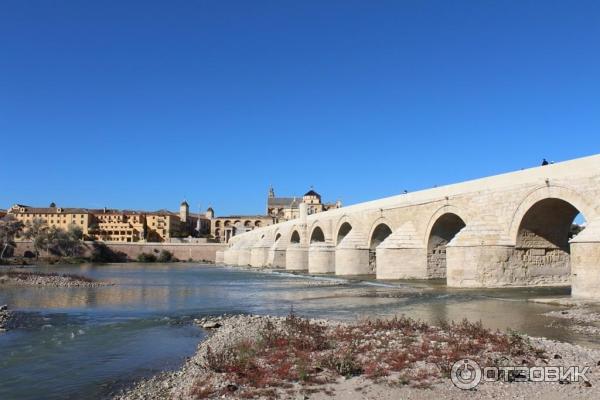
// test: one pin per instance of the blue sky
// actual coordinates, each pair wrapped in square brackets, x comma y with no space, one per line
[139,104]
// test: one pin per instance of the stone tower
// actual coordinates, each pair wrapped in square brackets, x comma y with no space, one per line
[184,211]
[210,213]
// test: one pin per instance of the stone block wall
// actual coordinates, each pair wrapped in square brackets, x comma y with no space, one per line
[182,251]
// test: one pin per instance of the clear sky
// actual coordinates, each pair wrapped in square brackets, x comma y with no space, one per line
[140,104]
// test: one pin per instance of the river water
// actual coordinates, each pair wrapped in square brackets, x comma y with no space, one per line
[78,343]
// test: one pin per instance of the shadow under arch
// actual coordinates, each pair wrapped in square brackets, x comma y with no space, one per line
[549,192]
[379,232]
[317,235]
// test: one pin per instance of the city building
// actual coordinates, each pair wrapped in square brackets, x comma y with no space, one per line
[279,209]
[59,217]
[112,225]
[287,208]
[224,228]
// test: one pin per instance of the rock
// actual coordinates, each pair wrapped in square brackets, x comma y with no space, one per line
[211,325]
[557,357]
[3,307]
[232,387]
[587,383]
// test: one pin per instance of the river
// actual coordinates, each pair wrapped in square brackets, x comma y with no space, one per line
[77,343]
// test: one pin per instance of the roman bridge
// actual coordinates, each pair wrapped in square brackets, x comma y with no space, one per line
[513,229]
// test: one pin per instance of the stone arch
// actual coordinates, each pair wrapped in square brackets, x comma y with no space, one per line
[227,223]
[257,223]
[549,192]
[379,232]
[343,230]
[542,251]
[317,235]
[347,224]
[218,223]
[444,228]
[247,224]
[445,209]
[277,236]
[295,237]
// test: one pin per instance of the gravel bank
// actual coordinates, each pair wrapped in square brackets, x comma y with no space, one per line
[421,379]
[585,320]
[20,278]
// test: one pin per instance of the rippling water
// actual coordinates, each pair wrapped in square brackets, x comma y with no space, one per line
[87,342]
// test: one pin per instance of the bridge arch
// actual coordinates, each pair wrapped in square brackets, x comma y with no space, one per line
[542,250]
[343,228]
[380,230]
[295,237]
[549,192]
[442,227]
[317,235]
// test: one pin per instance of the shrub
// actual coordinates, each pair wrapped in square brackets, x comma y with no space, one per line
[165,256]
[146,258]
[101,253]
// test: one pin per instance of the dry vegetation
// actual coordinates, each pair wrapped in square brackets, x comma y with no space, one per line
[400,351]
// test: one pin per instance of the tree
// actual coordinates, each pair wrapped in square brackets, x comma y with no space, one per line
[55,240]
[35,230]
[9,228]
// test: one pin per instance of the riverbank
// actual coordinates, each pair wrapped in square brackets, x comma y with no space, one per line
[51,279]
[292,357]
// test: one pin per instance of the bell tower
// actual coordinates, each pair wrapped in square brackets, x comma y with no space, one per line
[184,211]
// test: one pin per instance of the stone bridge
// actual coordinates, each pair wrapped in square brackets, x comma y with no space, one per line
[513,229]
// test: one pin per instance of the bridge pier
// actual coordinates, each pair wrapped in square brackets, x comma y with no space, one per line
[480,266]
[296,257]
[243,257]
[352,255]
[276,256]
[321,258]
[401,263]
[402,255]
[230,256]
[585,262]
[352,261]
[258,256]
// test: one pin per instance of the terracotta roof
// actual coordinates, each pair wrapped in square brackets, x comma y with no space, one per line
[48,210]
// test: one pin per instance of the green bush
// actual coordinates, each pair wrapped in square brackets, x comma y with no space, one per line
[165,256]
[146,257]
